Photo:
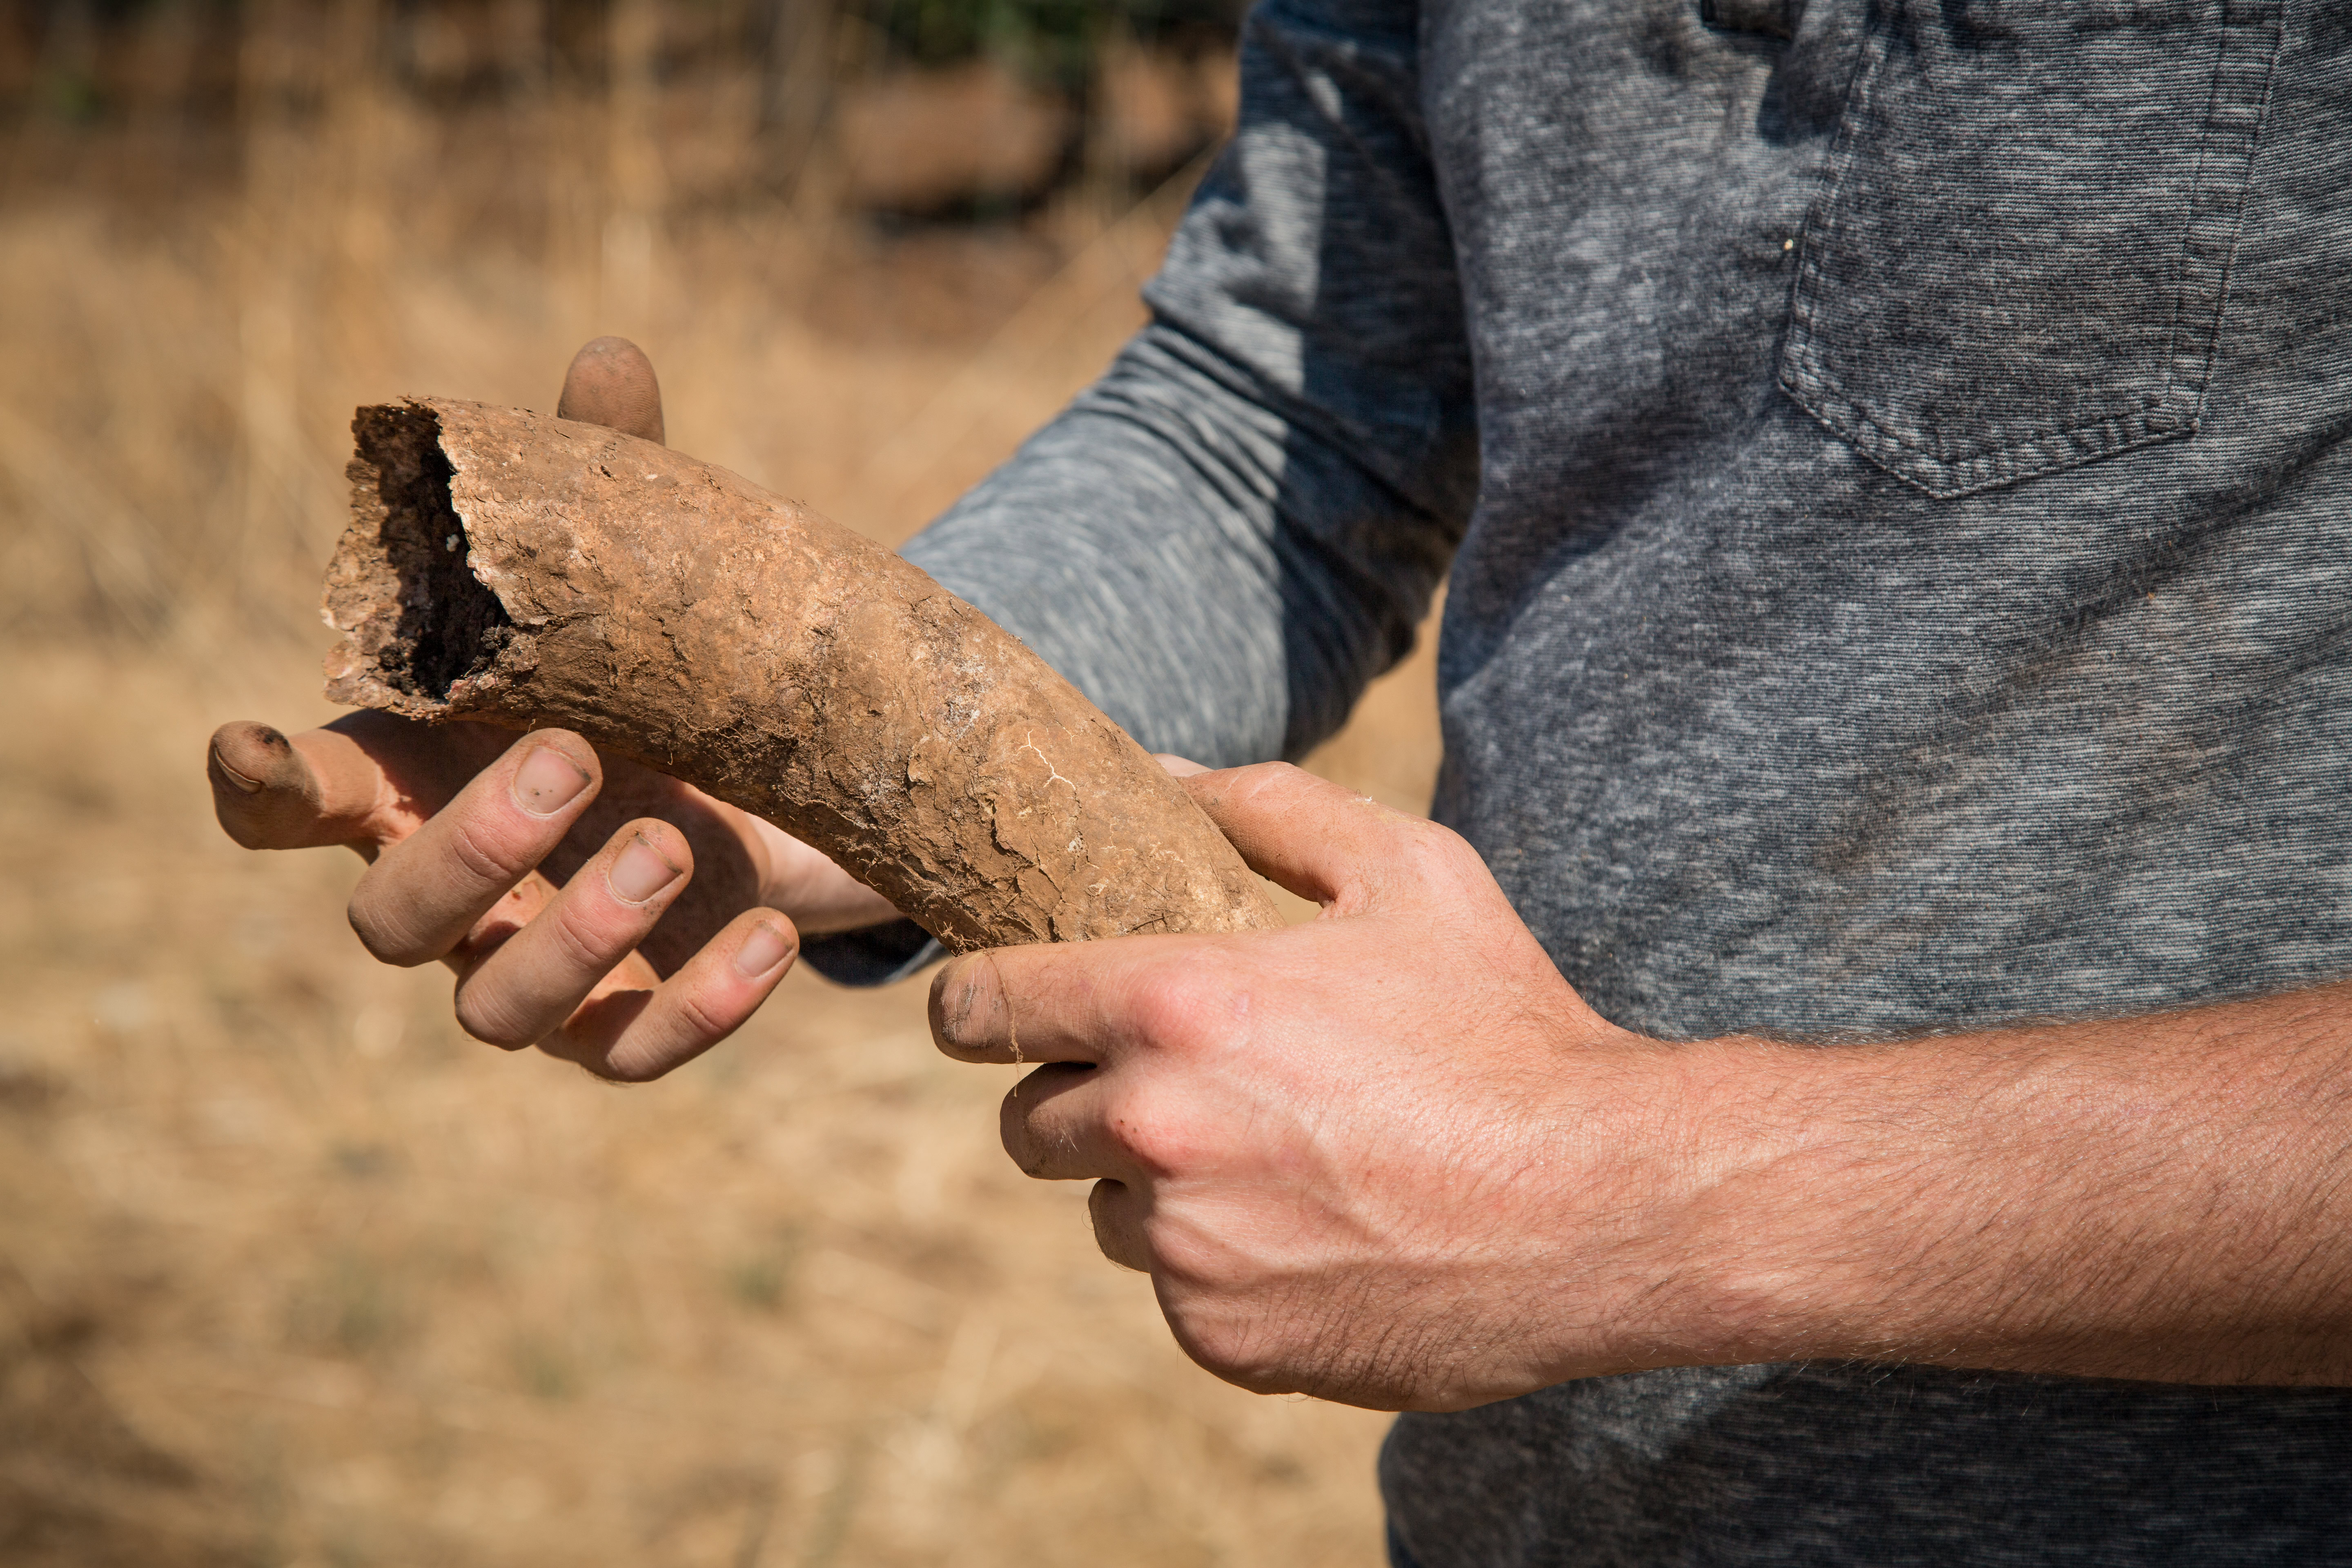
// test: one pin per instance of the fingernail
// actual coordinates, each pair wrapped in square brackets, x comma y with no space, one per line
[762,950]
[547,782]
[639,872]
[239,782]
[263,750]
[967,989]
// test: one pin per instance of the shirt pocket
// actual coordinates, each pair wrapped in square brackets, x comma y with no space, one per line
[2019,260]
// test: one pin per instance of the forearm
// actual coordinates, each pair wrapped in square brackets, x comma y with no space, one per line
[1184,547]
[1227,536]
[2165,1198]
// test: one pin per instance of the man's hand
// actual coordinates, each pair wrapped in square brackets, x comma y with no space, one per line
[1376,1157]
[1389,1158]
[677,912]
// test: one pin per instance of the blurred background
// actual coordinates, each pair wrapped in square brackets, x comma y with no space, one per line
[291,1272]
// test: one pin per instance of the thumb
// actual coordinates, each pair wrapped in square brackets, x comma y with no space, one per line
[1300,832]
[272,792]
[612,383]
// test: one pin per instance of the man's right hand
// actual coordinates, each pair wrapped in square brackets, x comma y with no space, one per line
[605,912]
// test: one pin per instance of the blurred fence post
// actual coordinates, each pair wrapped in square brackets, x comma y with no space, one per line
[266,278]
[795,86]
[635,181]
[1104,158]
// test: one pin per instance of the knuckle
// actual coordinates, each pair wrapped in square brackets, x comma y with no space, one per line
[1424,847]
[1273,780]
[1040,1135]
[697,1023]
[1158,1142]
[480,851]
[1452,851]
[664,1036]
[1183,1008]
[629,1066]
[487,1016]
[579,941]
[1427,856]
[1012,1130]
[387,938]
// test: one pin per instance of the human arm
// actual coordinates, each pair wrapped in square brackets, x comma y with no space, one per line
[1221,543]
[1243,522]
[1389,1158]
[1224,539]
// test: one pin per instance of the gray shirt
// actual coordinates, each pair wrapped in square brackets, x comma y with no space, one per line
[1893,478]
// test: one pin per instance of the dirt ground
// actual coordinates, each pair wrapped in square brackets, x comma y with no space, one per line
[291,1272]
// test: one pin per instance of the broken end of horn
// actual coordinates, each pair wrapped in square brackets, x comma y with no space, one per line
[420,629]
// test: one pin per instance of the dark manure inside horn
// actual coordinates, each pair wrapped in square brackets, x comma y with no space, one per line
[450,626]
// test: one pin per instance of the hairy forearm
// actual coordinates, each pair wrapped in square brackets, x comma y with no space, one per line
[2166,1198]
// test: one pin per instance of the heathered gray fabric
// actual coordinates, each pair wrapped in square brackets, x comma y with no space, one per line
[1894,486]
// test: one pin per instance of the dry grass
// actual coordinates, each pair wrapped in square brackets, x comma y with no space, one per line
[289,1271]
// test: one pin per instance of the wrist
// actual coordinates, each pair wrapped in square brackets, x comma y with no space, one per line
[815,894]
[1751,1264]
[1680,1155]
[1845,1204]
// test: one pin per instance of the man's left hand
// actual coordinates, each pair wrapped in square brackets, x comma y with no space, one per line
[1378,1157]
[1389,1158]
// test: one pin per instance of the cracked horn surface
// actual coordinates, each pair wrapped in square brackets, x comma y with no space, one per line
[675,613]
